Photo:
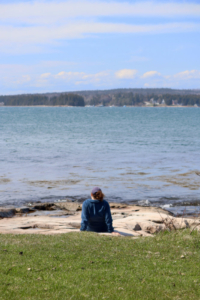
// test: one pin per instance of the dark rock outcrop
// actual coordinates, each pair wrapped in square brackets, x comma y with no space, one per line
[7,213]
[44,206]
[24,210]
[117,205]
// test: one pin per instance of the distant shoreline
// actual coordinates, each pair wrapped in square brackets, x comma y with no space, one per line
[115,97]
[147,106]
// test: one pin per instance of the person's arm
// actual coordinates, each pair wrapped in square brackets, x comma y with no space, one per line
[84,216]
[108,218]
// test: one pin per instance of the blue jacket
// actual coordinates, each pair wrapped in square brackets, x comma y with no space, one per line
[96,216]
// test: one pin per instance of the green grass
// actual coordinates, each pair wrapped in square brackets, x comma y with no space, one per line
[89,266]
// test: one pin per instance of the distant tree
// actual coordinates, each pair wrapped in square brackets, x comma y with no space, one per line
[95,101]
[137,99]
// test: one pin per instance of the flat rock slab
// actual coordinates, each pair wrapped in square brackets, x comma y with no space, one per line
[69,206]
[132,221]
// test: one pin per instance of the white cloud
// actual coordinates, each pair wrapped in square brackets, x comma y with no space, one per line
[108,78]
[14,75]
[53,11]
[45,75]
[150,74]
[69,75]
[97,78]
[193,74]
[34,78]
[126,74]
[46,34]
[28,26]
[82,77]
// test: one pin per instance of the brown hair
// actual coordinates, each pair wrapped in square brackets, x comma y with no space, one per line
[98,196]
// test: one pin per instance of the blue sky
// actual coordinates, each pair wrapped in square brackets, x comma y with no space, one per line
[48,46]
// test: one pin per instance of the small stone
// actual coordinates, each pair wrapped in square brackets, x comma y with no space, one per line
[182,256]
[137,227]
[29,269]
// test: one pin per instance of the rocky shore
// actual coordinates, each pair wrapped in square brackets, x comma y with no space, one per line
[65,217]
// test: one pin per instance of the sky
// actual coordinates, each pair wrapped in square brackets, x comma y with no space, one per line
[59,46]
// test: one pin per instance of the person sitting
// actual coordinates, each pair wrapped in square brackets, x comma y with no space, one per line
[96,215]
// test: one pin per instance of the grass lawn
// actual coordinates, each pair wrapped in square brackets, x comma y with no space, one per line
[88,266]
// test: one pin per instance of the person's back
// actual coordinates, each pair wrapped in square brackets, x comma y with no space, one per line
[96,216]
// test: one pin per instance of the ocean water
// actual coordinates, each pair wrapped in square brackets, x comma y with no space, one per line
[140,155]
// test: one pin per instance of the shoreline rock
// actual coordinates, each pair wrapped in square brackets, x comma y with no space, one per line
[7,213]
[65,217]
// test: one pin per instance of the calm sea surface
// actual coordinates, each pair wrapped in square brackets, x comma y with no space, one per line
[134,154]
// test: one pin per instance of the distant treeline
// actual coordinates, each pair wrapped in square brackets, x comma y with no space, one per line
[31,100]
[140,91]
[120,99]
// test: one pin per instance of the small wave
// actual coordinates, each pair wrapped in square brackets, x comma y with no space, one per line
[144,202]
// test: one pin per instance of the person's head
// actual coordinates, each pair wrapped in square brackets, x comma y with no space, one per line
[97,194]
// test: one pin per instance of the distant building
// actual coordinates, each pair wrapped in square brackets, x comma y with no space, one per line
[174,102]
[163,102]
[152,101]
[1,103]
